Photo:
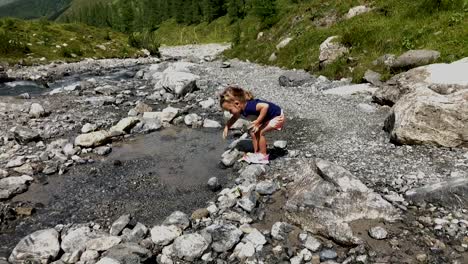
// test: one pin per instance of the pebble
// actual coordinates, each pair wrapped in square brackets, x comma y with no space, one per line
[328,254]
[378,233]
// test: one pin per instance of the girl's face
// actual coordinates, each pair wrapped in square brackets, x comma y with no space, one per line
[235,108]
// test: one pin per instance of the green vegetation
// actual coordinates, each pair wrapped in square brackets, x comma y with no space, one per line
[394,26]
[29,9]
[30,41]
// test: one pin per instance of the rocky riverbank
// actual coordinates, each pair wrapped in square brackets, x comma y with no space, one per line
[336,191]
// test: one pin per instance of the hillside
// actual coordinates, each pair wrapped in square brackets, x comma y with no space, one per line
[28,9]
[41,41]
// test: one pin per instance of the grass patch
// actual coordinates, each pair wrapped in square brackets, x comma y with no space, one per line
[30,41]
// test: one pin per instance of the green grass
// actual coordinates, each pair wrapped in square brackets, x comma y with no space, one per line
[29,41]
[394,26]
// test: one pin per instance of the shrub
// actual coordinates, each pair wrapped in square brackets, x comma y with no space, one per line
[144,40]
[10,45]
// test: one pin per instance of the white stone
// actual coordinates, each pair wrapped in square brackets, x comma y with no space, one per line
[93,139]
[163,235]
[208,123]
[207,103]
[190,246]
[42,246]
[331,50]
[36,110]
[357,10]
[88,128]
[102,243]
[283,43]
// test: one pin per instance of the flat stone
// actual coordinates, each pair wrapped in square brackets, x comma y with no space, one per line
[224,237]
[93,139]
[378,232]
[230,157]
[11,186]
[42,246]
[208,123]
[267,187]
[102,243]
[328,254]
[16,162]
[88,128]
[207,103]
[25,135]
[256,238]
[414,58]
[281,144]
[124,125]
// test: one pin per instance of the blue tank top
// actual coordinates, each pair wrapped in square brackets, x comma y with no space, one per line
[251,109]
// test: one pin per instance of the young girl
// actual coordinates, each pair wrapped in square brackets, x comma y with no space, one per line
[267,116]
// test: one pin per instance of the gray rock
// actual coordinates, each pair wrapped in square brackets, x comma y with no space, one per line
[107,260]
[179,83]
[213,184]
[16,162]
[37,110]
[128,253]
[11,186]
[256,238]
[191,119]
[230,157]
[70,150]
[295,78]
[102,243]
[191,246]
[244,251]
[333,197]
[450,192]
[224,237]
[348,90]
[373,77]
[208,123]
[71,257]
[331,50]
[164,235]
[312,244]
[283,43]
[281,144]
[102,151]
[207,103]
[267,187]
[124,126]
[247,204]
[179,219]
[93,139]
[100,100]
[89,256]
[25,135]
[280,230]
[137,234]
[42,246]
[75,238]
[26,169]
[378,232]
[328,254]
[119,225]
[3,173]
[427,117]
[357,10]
[414,58]
[88,128]
[250,173]
[167,115]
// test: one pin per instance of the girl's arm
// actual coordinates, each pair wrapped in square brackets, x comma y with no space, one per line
[263,109]
[232,120]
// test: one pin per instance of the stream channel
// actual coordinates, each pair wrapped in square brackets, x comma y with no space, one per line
[148,176]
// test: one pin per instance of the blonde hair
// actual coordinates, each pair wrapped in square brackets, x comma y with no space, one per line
[234,93]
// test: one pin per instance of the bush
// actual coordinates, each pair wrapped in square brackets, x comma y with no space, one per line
[144,40]
[71,51]
[431,6]
[10,45]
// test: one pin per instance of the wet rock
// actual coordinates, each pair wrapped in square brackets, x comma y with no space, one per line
[378,233]
[414,58]
[88,128]
[167,115]
[102,151]
[295,78]
[267,187]
[427,117]
[207,103]
[328,254]
[331,50]
[25,135]
[37,110]
[11,186]
[191,246]
[450,192]
[208,123]
[124,125]
[229,157]
[42,246]
[179,219]
[357,10]
[93,139]
[164,235]
[281,144]
[213,184]
[224,237]
[326,185]
[102,243]
[119,225]
[280,230]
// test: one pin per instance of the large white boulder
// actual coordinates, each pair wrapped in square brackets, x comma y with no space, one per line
[331,50]
[42,246]
[13,185]
[179,83]
[93,139]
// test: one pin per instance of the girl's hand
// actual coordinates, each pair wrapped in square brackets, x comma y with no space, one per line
[225,132]
[255,126]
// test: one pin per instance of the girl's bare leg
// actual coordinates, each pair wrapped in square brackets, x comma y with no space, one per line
[255,137]
[262,144]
